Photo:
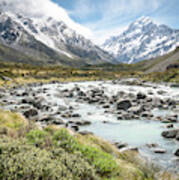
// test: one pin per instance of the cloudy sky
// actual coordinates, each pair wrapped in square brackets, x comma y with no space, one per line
[106,17]
[98,19]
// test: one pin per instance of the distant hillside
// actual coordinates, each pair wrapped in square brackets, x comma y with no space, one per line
[8,54]
[161,63]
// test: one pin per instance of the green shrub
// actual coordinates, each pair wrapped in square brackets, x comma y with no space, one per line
[18,161]
[63,139]
[76,164]
[21,161]
[37,137]
[104,163]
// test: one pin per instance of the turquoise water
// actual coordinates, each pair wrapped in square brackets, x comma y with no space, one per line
[135,132]
[139,134]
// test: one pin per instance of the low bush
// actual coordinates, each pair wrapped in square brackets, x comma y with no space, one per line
[103,163]
[21,161]
[38,137]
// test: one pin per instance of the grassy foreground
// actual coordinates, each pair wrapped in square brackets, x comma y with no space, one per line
[27,152]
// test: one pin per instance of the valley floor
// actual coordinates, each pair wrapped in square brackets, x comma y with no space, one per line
[121,111]
[17,74]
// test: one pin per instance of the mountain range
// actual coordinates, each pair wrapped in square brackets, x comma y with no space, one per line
[47,40]
[50,41]
[142,40]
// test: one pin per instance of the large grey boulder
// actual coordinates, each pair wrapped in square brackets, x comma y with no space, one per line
[124,105]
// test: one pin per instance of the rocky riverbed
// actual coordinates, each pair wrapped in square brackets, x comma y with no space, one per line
[129,113]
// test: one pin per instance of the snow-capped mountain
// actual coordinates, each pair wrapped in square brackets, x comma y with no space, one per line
[142,40]
[49,38]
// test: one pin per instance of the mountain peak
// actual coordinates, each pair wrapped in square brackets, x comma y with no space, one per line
[144,20]
[141,22]
[143,39]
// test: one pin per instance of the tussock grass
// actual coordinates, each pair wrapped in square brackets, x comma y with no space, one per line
[12,120]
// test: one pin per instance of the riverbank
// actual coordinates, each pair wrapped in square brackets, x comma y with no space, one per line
[100,107]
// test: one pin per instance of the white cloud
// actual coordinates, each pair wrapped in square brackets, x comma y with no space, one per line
[101,35]
[43,8]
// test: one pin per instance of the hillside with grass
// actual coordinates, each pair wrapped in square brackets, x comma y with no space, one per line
[161,63]
[8,54]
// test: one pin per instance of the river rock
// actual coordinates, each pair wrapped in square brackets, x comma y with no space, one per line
[136,109]
[82,94]
[135,149]
[152,145]
[173,118]
[159,151]
[147,115]
[175,85]
[141,95]
[124,105]
[120,145]
[57,121]
[66,115]
[177,136]
[170,134]
[177,152]
[31,113]
[62,108]
[165,121]
[170,126]
[84,133]
[76,115]
[161,92]
[27,100]
[74,127]
[107,106]
[80,122]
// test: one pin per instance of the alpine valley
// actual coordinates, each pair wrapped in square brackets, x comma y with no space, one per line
[74,110]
